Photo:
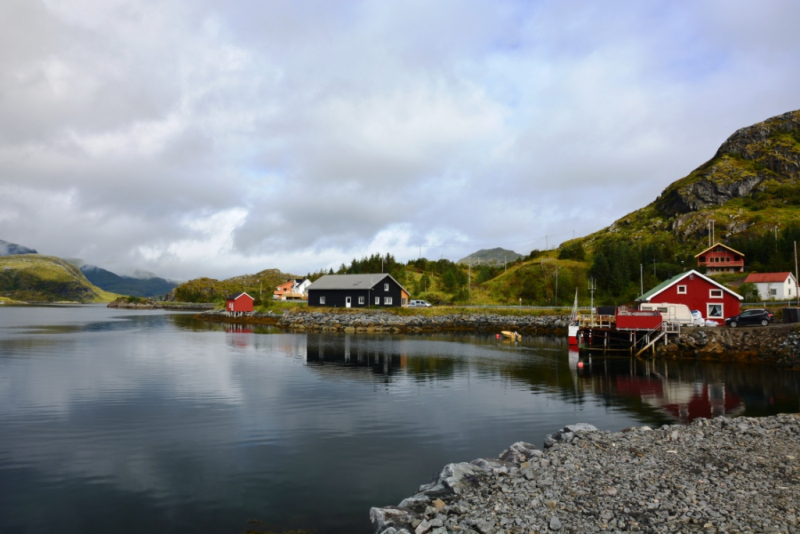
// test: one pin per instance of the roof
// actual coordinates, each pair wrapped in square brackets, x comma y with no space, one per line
[765,278]
[675,279]
[719,245]
[352,281]
[237,295]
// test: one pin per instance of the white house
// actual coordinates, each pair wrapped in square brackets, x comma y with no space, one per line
[774,286]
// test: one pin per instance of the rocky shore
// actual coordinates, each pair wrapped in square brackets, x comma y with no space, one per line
[717,475]
[383,322]
[775,345]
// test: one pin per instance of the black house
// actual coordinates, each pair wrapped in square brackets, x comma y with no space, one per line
[357,291]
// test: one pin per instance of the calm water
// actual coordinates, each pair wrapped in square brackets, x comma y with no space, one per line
[129,421]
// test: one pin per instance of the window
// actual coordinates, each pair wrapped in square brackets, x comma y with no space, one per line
[377,301]
[322,300]
[774,292]
[387,301]
[361,300]
[714,311]
[681,290]
[386,287]
[404,301]
[715,293]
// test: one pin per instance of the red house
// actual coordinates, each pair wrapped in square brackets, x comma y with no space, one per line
[715,301]
[721,259]
[239,303]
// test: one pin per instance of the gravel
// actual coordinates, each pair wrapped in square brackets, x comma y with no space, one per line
[717,475]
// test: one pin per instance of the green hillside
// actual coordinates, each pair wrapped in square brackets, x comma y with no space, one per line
[126,285]
[35,278]
[260,286]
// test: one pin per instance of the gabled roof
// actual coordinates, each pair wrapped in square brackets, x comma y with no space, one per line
[675,279]
[352,281]
[238,295]
[719,245]
[766,278]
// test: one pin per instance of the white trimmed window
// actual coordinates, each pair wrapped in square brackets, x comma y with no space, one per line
[387,301]
[361,300]
[715,311]
[322,300]
[715,293]
[377,301]
[386,287]
[681,290]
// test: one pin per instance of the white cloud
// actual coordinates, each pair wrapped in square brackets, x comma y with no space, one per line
[304,134]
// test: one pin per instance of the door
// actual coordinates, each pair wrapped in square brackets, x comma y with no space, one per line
[347,302]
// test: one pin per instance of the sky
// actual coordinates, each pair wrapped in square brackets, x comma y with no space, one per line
[199,138]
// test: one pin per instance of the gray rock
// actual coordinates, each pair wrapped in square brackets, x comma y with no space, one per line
[555,523]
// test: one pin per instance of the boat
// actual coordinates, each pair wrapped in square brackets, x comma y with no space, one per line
[572,329]
[516,336]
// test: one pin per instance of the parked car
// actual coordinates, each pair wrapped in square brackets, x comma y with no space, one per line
[419,304]
[756,316]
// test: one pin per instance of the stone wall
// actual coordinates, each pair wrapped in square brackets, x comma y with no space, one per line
[774,345]
[368,321]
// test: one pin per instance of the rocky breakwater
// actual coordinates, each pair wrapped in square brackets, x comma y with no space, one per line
[717,475]
[774,345]
[377,321]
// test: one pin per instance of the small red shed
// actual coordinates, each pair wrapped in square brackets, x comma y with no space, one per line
[715,301]
[240,302]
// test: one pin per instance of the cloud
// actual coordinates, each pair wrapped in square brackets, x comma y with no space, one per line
[308,130]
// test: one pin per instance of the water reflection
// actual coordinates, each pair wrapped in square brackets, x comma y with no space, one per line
[181,425]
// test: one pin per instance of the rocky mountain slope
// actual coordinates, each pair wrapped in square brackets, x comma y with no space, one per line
[751,185]
[494,256]
[11,249]
[35,278]
[148,286]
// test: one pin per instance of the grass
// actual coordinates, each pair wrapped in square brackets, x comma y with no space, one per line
[37,278]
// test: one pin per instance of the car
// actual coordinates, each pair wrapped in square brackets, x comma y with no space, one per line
[755,316]
[419,304]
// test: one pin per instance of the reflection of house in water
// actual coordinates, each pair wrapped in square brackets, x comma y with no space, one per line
[346,351]
[238,335]
[660,386]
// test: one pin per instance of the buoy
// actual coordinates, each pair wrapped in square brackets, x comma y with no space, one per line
[580,365]
[498,336]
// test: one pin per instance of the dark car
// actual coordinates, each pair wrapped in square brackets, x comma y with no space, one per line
[762,317]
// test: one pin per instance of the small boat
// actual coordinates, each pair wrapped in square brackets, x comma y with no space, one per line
[516,336]
[572,329]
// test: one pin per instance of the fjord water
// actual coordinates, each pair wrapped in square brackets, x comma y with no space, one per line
[142,421]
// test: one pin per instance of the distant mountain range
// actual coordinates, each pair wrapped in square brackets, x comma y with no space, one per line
[12,249]
[145,284]
[493,256]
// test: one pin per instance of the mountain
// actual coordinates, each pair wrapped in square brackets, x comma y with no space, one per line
[36,278]
[146,286]
[12,249]
[494,256]
[750,186]
[209,290]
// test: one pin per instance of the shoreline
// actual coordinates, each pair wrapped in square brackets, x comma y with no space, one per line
[712,475]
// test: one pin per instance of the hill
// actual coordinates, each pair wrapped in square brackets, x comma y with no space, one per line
[750,186]
[494,256]
[147,286]
[12,249]
[35,278]
[260,286]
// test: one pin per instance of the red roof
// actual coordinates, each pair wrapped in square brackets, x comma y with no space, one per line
[765,278]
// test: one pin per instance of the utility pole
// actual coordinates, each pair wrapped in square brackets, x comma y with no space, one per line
[795,274]
[556,295]
[654,268]
[641,279]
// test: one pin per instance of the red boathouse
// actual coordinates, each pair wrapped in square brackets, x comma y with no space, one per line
[239,303]
[715,301]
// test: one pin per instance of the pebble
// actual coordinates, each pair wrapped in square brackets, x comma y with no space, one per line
[712,475]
